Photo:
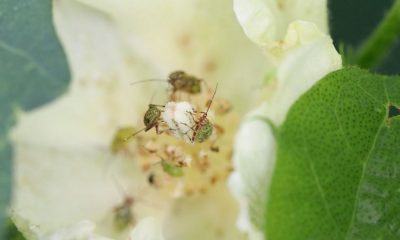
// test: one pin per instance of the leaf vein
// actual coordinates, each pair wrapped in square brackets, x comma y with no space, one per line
[315,176]
[339,121]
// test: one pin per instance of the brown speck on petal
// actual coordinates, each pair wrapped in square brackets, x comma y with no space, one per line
[210,66]
[184,40]
[214,179]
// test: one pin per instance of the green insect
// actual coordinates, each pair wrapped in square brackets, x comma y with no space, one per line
[151,119]
[204,131]
[123,215]
[180,81]
[203,128]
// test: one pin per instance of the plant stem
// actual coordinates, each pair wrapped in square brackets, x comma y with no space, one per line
[376,46]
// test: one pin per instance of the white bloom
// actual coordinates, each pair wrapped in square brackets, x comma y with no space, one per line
[80,231]
[266,22]
[293,35]
[147,229]
[64,170]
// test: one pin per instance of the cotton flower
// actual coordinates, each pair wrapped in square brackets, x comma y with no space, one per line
[293,36]
[71,177]
[69,182]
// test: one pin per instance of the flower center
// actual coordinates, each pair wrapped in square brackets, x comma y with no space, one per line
[172,156]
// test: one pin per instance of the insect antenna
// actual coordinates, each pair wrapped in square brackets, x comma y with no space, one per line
[133,134]
[152,96]
[148,80]
[212,98]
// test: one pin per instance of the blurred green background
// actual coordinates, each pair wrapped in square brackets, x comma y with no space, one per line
[352,21]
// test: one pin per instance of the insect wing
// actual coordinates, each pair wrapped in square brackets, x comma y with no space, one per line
[123,216]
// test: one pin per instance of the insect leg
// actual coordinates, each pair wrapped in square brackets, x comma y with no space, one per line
[157,129]
[191,115]
[191,127]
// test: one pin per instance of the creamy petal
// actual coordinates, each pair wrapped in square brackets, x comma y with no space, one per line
[82,230]
[311,56]
[61,150]
[210,216]
[99,98]
[244,223]
[293,37]
[254,159]
[300,55]
[147,229]
[255,143]
[63,169]
[198,36]
[266,21]
[57,188]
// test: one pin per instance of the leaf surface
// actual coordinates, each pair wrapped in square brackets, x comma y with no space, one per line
[337,174]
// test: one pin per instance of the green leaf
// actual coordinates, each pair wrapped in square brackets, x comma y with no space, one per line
[33,71]
[12,233]
[337,173]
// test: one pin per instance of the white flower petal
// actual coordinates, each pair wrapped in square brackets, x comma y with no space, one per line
[244,223]
[266,21]
[61,150]
[147,229]
[68,186]
[201,37]
[254,160]
[99,98]
[302,53]
[210,216]
[311,56]
[83,230]
[63,169]
[292,34]
[236,185]
[257,19]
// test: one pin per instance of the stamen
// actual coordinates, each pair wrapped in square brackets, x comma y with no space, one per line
[203,164]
